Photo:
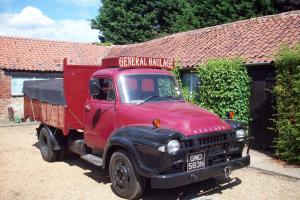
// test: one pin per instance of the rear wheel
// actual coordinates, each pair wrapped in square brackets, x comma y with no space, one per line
[48,154]
[125,182]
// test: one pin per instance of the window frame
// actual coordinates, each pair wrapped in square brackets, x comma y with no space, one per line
[113,86]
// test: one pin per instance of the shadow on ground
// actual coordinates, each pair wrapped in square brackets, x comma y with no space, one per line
[96,173]
[203,188]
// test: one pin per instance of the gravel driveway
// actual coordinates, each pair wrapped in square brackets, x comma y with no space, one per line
[24,175]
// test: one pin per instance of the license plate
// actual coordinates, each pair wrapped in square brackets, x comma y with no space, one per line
[195,161]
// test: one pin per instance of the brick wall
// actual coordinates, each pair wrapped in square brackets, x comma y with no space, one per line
[5,95]
[17,103]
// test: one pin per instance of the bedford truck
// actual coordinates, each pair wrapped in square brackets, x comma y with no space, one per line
[129,116]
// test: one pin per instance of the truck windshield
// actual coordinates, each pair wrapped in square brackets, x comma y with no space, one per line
[141,88]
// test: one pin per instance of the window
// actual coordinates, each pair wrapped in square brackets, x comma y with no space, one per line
[106,90]
[17,84]
[191,81]
[137,88]
[165,87]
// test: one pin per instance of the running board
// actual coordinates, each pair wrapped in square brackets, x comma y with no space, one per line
[95,160]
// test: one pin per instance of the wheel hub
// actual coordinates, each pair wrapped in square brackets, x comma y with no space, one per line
[121,175]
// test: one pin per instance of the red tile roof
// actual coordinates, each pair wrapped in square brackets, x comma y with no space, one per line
[46,55]
[255,40]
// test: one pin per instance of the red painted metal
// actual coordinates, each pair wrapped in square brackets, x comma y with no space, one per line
[76,91]
[186,118]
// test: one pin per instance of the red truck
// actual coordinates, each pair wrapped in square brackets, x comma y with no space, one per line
[129,116]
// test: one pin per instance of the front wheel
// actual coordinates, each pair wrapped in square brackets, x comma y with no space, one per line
[125,182]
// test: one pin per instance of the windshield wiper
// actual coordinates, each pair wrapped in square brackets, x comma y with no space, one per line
[171,97]
[148,98]
[174,98]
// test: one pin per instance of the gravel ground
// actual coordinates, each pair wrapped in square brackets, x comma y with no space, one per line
[24,175]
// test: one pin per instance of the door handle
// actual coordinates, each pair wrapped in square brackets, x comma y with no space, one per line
[87,108]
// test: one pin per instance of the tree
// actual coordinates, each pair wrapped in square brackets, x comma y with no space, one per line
[131,21]
[287,5]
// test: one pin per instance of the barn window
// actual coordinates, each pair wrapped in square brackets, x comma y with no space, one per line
[17,84]
[191,81]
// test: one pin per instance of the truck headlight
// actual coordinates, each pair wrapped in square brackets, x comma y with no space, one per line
[240,134]
[173,146]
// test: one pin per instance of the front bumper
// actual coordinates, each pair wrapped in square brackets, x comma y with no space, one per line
[184,178]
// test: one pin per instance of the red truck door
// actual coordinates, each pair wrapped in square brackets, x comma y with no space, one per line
[100,114]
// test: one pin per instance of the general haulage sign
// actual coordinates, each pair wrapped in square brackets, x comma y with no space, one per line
[139,62]
[143,62]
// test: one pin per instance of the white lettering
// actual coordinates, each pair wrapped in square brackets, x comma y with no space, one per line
[121,61]
[132,61]
[129,61]
[125,62]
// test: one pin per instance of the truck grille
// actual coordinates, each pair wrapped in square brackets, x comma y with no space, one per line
[216,147]
[212,144]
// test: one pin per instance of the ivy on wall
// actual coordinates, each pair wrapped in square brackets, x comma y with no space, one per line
[224,87]
[287,90]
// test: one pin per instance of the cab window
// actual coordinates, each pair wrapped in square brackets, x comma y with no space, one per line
[106,90]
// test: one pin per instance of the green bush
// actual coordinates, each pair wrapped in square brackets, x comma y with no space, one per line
[224,87]
[287,90]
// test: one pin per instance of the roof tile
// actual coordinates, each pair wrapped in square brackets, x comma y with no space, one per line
[254,40]
[46,55]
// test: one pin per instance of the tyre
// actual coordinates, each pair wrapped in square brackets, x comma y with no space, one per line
[48,154]
[62,154]
[125,182]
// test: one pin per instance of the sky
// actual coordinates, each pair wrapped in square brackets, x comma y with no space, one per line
[66,20]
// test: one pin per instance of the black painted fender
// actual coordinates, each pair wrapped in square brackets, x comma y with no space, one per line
[141,143]
[53,141]
[236,125]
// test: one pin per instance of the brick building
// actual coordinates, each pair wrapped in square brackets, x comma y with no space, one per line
[255,40]
[29,59]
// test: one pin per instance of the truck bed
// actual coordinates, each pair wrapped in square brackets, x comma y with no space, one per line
[47,113]
[59,102]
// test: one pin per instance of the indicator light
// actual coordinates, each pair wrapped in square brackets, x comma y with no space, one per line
[156,123]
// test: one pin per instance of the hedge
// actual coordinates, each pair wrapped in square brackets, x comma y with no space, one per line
[224,87]
[287,90]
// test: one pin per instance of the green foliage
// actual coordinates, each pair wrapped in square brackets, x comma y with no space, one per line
[106,44]
[130,21]
[224,87]
[287,90]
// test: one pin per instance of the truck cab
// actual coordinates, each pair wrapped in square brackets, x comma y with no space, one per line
[130,117]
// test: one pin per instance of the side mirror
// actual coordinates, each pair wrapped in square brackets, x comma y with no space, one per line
[94,86]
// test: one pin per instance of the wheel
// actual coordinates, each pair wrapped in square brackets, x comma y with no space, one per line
[62,154]
[125,182]
[45,147]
